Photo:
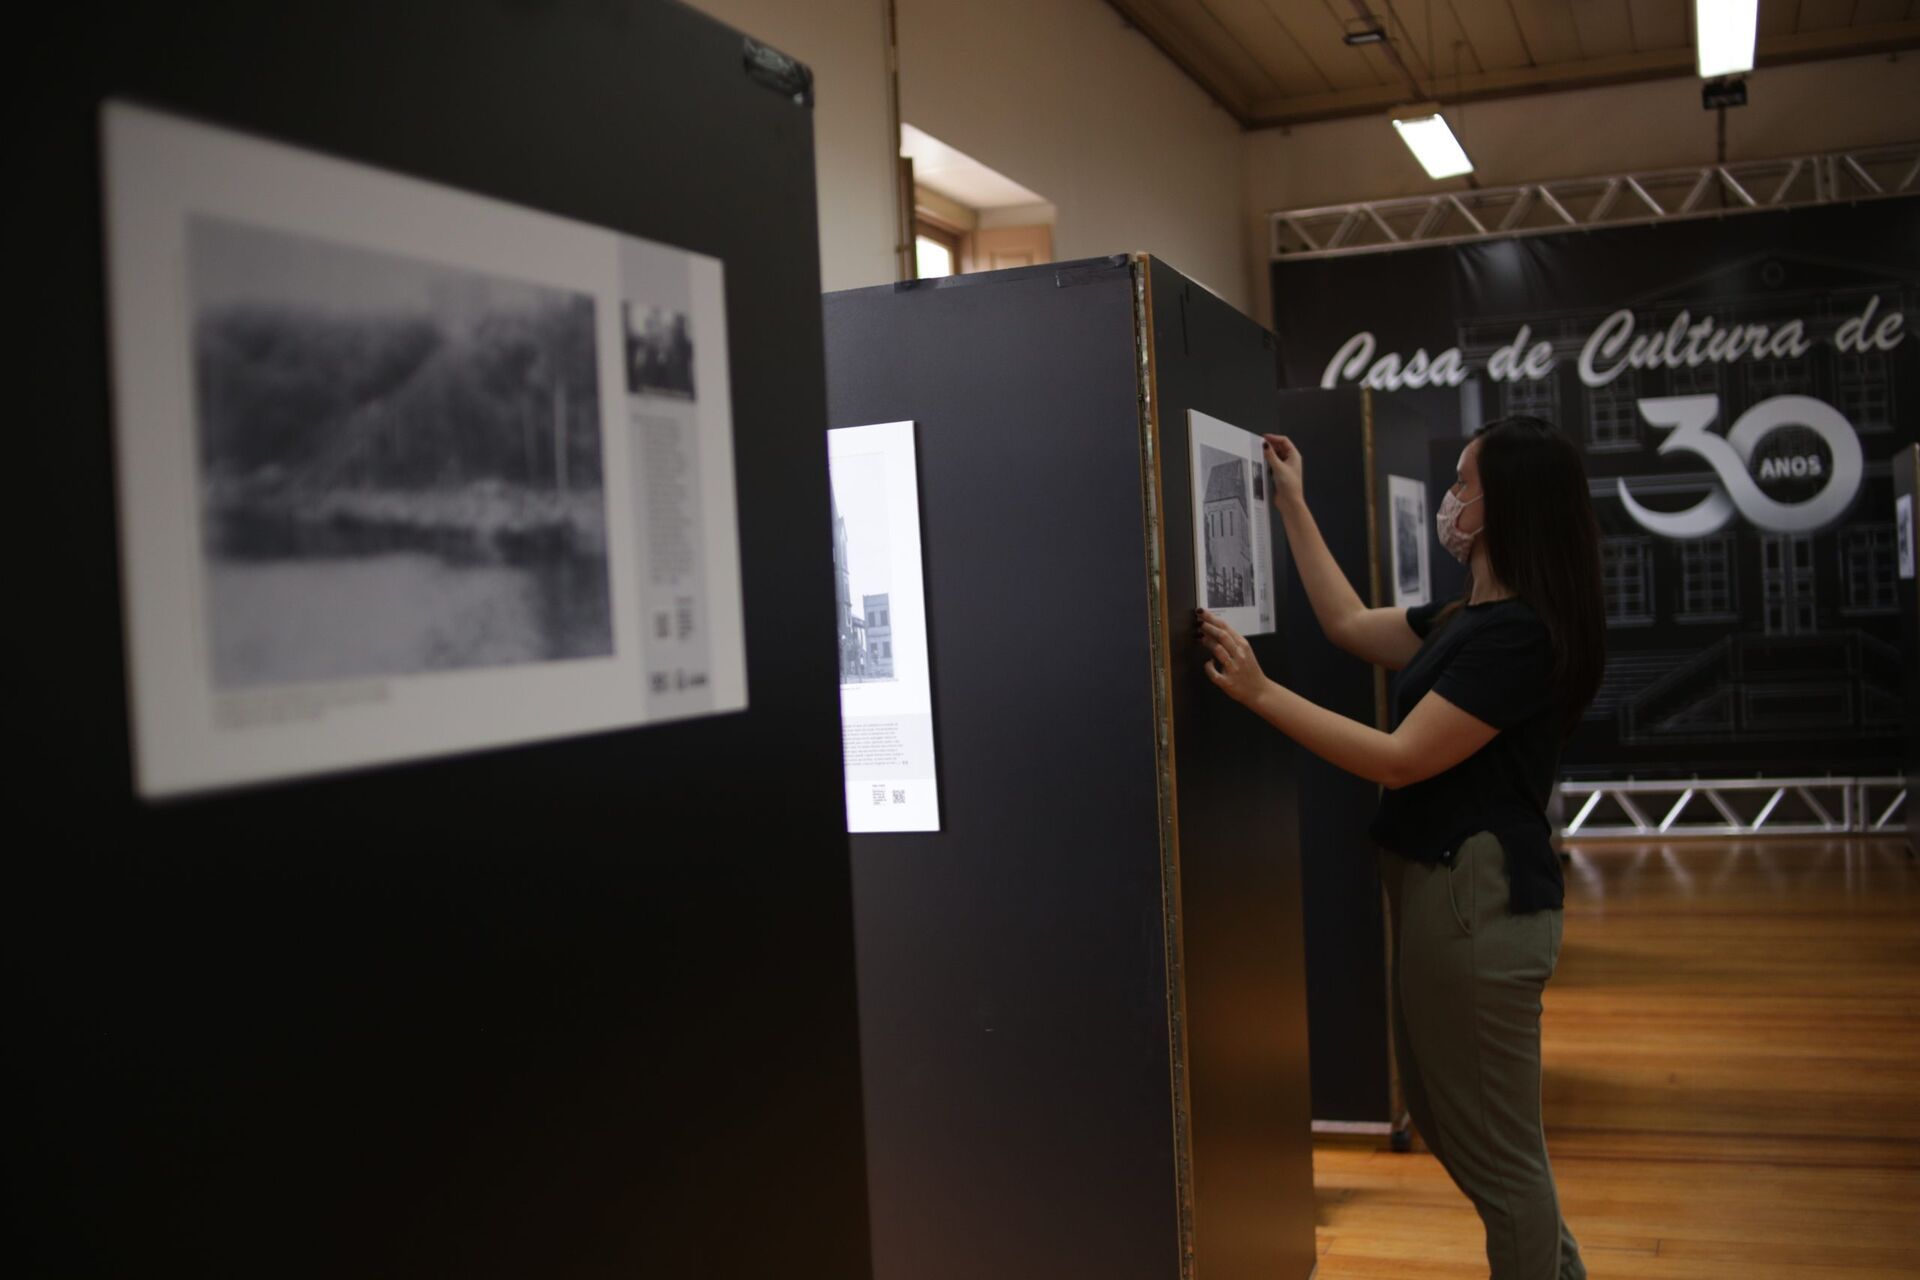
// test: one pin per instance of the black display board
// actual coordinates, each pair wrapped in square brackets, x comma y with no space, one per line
[1906,488]
[1352,443]
[585,1008]
[1082,1001]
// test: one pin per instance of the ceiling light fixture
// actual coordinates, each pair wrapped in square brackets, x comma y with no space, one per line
[1723,33]
[1426,134]
[1366,35]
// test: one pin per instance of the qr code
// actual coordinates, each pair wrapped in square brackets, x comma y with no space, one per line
[899,797]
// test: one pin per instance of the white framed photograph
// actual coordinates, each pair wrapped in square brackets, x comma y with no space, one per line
[886,685]
[1409,529]
[403,471]
[1232,532]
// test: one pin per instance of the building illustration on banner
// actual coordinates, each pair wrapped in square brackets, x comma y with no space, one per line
[1738,464]
[1738,390]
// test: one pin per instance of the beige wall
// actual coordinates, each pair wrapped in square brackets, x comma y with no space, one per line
[1064,98]
[845,44]
[1791,111]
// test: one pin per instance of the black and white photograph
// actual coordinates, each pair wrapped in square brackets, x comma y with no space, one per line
[1229,526]
[384,489]
[400,464]
[659,351]
[1407,511]
[862,568]
[1232,523]
[886,680]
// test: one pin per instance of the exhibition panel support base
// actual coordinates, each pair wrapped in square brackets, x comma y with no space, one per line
[1082,991]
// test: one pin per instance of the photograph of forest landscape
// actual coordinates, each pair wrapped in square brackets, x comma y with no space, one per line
[400,466]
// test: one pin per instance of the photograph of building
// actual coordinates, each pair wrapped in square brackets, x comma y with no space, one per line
[879,637]
[1229,530]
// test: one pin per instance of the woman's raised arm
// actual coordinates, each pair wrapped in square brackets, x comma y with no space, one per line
[1379,636]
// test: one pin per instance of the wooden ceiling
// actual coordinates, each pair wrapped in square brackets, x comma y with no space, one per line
[1276,62]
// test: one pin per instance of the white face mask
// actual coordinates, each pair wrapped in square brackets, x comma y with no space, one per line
[1446,522]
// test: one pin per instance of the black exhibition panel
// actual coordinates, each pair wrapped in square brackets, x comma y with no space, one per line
[1082,1023]
[1345,937]
[1352,442]
[1906,489]
[578,1008]
[1243,962]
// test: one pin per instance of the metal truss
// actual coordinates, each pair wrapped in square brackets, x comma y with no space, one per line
[1734,807]
[1584,204]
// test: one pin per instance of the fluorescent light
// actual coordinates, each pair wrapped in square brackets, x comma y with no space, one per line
[1365,35]
[1723,31]
[1426,134]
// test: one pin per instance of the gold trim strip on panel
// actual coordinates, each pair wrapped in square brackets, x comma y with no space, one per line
[1160,640]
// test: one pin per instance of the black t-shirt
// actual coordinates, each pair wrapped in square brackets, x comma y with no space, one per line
[1494,661]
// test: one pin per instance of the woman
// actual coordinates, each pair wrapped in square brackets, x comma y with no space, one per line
[1490,686]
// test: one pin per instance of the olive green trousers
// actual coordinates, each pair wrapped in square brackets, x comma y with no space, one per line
[1467,979]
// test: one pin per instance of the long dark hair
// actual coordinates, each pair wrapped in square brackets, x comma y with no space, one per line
[1543,544]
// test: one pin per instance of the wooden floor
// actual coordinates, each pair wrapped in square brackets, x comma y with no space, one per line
[1732,1077]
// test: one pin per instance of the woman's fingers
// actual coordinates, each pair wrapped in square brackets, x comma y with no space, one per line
[1229,648]
[1220,631]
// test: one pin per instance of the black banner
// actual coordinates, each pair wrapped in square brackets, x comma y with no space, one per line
[1738,387]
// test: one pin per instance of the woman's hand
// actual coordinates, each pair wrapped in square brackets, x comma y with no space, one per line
[1288,471]
[1233,668]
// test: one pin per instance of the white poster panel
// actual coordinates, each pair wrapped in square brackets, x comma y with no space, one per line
[403,471]
[1232,532]
[1904,532]
[886,690]
[1412,574]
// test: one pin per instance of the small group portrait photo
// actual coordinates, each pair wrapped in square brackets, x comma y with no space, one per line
[659,352]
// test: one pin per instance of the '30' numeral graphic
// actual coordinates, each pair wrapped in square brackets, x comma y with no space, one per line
[1731,458]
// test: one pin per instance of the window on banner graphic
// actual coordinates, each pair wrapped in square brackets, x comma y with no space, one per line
[1696,380]
[1790,602]
[1866,400]
[1769,378]
[1539,398]
[1626,580]
[1869,566]
[1707,584]
[1613,415]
